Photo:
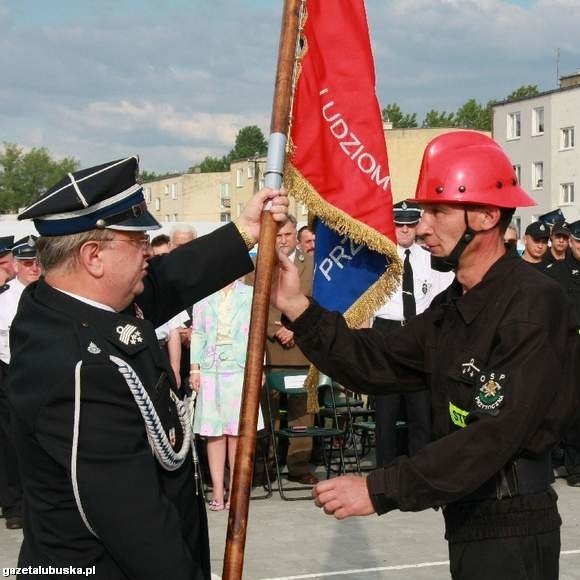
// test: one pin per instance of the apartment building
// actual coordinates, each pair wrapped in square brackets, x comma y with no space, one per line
[190,197]
[538,133]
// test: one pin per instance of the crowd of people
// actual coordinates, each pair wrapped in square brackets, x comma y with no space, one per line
[478,347]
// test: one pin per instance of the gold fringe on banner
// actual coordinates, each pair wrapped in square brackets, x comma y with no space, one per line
[368,303]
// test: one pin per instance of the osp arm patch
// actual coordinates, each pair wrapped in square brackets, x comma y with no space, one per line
[490,394]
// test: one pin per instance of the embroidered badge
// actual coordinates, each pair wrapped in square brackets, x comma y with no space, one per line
[457,415]
[468,369]
[172,436]
[425,287]
[93,348]
[490,395]
[129,334]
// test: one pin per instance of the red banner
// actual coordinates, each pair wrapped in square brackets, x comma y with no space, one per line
[337,135]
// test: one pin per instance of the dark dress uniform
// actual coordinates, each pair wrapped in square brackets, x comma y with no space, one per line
[567,274]
[501,362]
[95,495]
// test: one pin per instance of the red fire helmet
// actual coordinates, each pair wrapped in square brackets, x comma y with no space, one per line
[467,167]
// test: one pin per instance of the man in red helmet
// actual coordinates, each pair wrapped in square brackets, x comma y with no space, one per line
[487,348]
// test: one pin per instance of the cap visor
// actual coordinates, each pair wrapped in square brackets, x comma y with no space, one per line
[137,224]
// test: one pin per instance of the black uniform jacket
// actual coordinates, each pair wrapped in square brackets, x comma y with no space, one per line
[148,522]
[502,365]
[567,274]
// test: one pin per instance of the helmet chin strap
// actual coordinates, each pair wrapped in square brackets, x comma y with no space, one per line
[452,261]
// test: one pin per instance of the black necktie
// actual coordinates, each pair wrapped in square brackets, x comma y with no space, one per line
[409,306]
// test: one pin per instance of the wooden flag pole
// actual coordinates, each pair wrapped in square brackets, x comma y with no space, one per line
[244,465]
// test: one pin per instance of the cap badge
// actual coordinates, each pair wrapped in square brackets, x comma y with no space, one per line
[542,228]
[490,395]
[129,334]
[404,206]
[93,348]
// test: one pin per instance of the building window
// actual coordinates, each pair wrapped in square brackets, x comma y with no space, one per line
[174,191]
[224,190]
[225,217]
[518,170]
[251,170]
[514,125]
[240,209]
[538,175]
[166,189]
[157,204]
[147,194]
[239,177]
[566,193]
[567,138]
[166,217]
[538,121]
[261,182]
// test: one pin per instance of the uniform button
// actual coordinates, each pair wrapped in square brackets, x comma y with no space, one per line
[85,324]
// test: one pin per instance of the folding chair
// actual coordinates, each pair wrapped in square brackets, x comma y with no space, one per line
[288,383]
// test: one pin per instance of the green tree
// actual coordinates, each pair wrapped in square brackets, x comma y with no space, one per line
[249,142]
[523,92]
[24,176]
[439,119]
[392,114]
[212,164]
[472,115]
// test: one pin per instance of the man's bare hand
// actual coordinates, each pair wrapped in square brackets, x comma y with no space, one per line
[285,336]
[343,497]
[286,295]
[250,218]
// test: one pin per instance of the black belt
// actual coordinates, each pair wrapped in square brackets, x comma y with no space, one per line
[521,476]
[388,323]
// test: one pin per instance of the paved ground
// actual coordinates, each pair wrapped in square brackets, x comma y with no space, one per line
[292,540]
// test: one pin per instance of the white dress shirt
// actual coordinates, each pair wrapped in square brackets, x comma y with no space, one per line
[427,284]
[8,305]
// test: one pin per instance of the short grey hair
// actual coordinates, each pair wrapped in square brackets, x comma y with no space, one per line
[62,251]
[183,229]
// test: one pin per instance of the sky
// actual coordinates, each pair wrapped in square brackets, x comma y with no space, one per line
[175,80]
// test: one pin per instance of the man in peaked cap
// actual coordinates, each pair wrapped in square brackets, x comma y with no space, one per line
[567,273]
[26,271]
[102,437]
[487,348]
[536,239]
[559,247]
[420,284]
[6,262]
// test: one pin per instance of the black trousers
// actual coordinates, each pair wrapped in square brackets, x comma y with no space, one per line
[10,488]
[520,558]
[416,406]
[571,447]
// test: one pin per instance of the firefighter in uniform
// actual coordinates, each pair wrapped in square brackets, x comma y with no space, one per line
[488,348]
[567,273]
[26,270]
[102,437]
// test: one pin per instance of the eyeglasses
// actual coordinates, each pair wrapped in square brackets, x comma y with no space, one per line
[28,263]
[144,242]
